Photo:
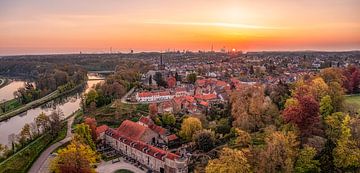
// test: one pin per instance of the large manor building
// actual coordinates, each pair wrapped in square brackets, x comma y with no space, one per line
[137,141]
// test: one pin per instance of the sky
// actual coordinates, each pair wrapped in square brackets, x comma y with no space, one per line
[95,26]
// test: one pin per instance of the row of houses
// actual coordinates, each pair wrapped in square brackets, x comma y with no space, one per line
[140,141]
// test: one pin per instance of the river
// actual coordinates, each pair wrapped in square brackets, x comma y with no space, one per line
[7,92]
[67,104]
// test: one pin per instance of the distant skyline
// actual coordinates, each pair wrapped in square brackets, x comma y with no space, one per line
[94,26]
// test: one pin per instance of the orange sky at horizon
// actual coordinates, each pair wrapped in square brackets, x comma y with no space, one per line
[40,26]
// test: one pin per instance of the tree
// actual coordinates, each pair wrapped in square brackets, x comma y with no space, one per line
[177,76]
[280,152]
[150,80]
[159,79]
[191,78]
[346,153]
[242,138]
[153,110]
[168,119]
[326,107]
[333,124]
[25,134]
[204,140]
[188,128]
[55,122]
[332,75]
[42,121]
[91,96]
[336,93]
[223,126]
[305,162]
[230,161]
[84,134]
[319,88]
[75,158]
[352,79]
[279,93]
[305,115]
[91,122]
[251,110]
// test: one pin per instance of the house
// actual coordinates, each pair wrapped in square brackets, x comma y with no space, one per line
[166,106]
[138,132]
[155,158]
[147,96]
[181,91]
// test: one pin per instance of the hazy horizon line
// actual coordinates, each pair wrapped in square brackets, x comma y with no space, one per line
[157,51]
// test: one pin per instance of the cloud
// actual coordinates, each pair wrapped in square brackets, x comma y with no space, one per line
[213,24]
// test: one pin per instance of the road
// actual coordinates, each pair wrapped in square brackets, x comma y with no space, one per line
[42,164]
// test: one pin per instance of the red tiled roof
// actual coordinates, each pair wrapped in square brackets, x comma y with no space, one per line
[131,129]
[180,89]
[145,120]
[145,94]
[172,137]
[206,97]
[166,104]
[158,129]
[221,83]
[201,82]
[141,146]
[172,156]
[189,99]
[101,129]
[206,104]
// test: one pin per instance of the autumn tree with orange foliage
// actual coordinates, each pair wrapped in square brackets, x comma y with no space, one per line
[252,110]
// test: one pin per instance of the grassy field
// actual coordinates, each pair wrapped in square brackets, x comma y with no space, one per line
[9,106]
[123,171]
[353,99]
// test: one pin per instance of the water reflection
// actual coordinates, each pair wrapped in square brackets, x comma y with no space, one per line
[67,104]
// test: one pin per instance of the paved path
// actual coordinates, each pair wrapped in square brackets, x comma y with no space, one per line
[123,99]
[42,164]
[109,167]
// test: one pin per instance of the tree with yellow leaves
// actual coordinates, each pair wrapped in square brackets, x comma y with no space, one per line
[230,161]
[280,152]
[75,158]
[189,126]
[346,153]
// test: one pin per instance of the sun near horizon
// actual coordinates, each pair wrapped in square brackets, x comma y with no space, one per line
[48,26]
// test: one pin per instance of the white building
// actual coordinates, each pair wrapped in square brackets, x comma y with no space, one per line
[153,96]
[154,158]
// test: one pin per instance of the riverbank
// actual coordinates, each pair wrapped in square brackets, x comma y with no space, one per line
[43,161]
[36,151]
[38,102]
[4,82]
[23,159]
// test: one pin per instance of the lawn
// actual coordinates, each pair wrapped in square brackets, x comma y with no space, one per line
[353,99]
[123,171]
[9,106]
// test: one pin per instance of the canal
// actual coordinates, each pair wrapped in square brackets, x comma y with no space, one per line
[67,104]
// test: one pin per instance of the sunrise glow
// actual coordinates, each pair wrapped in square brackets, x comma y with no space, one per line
[40,26]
